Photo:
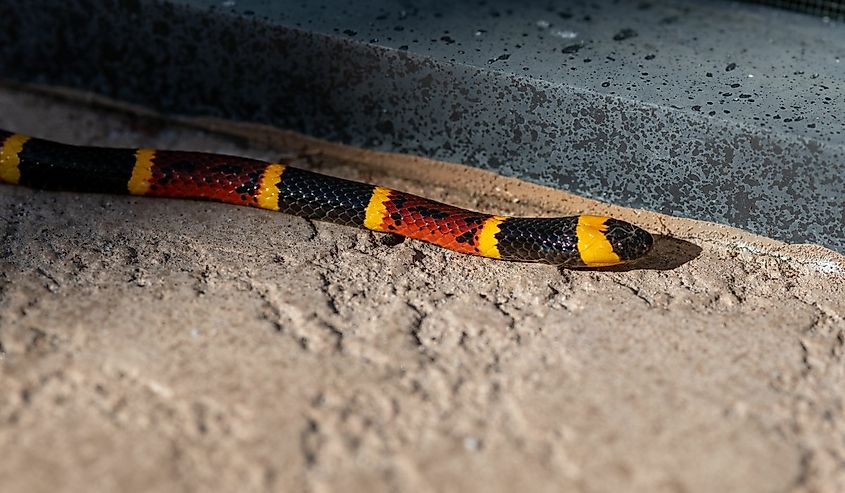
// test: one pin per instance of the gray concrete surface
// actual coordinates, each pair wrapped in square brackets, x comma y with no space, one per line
[711,110]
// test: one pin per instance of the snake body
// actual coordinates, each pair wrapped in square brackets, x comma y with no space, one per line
[574,241]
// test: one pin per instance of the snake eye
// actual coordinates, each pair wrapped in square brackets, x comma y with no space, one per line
[629,242]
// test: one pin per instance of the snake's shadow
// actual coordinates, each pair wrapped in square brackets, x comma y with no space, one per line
[667,253]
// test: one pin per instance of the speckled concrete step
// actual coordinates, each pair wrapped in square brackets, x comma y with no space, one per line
[712,110]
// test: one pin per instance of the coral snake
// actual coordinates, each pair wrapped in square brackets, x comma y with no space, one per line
[574,241]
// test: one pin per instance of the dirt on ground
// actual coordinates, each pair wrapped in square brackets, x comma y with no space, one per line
[167,345]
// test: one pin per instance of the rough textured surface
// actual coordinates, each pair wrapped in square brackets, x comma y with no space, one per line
[712,110]
[152,344]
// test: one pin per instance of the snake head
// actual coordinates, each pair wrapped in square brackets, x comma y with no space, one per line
[604,241]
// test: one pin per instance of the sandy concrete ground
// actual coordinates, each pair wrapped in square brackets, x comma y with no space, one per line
[155,345]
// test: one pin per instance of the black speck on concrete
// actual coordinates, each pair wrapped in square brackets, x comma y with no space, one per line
[625,34]
[504,56]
